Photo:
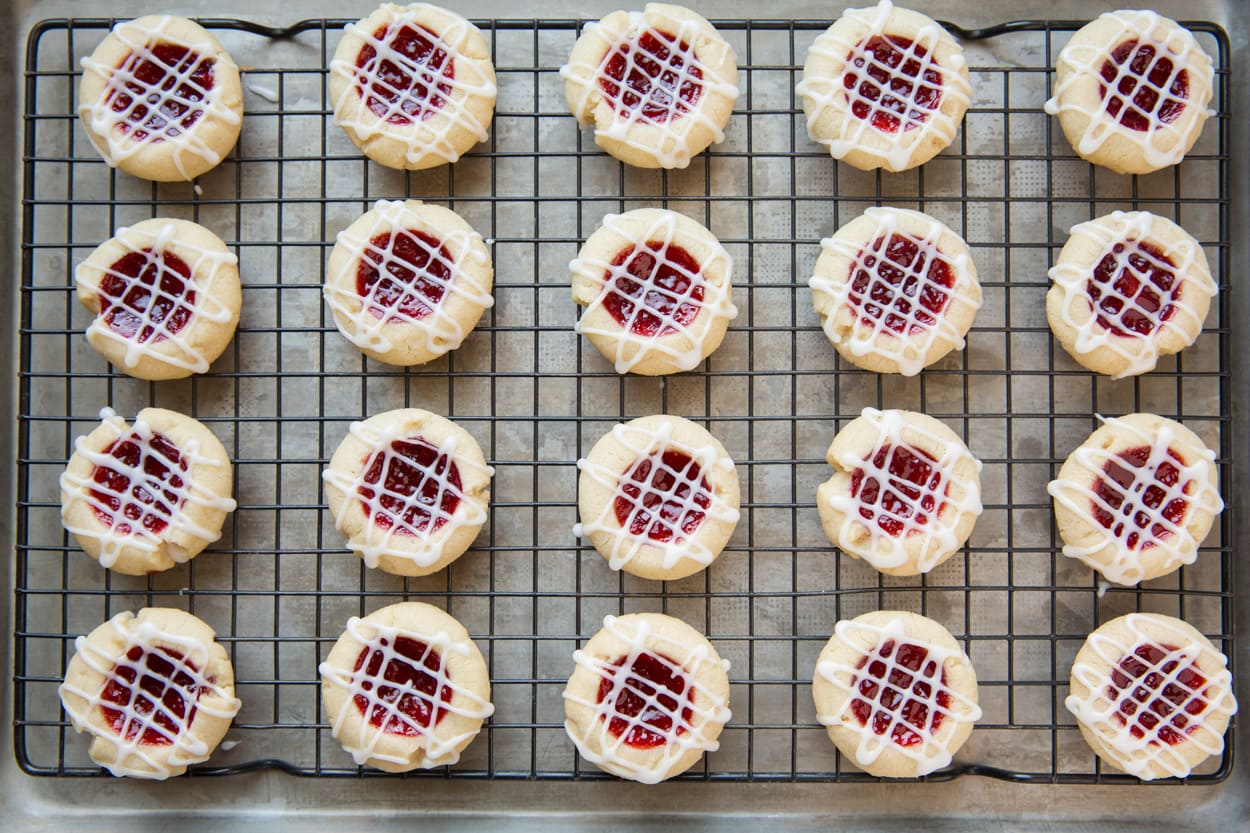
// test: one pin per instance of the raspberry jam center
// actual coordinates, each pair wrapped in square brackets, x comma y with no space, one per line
[162,91]
[411,80]
[147,296]
[1134,288]
[897,696]
[154,692]
[654,75]
[892,84]
[144,490]
[900,489]
[903,283]
[648,703]
[420,491]
[401,697]
[654,289]
[1147,86]
[403,276]
[664,496]
[1155,695]
[1140,506]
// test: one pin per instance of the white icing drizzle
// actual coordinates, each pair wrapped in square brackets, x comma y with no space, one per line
[647,445]
[938,536]
[104,121]
[204,265]
[422,136]
[860,134]
[1085,61]
[907,349]
[440,747]
[1140,756]
[1178,546]
[671,149]
[1140,352]
[680,345]
[133,757]
[267,93]
[681,736]
[929,754]
[176,516]
[442,331]
[468,512]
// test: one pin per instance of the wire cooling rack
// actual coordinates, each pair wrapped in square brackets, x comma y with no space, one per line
[279,585]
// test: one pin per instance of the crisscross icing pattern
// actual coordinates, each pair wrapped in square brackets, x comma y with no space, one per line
[397,693]
[1148,698]
[661,500]
[139,490]
[1142,288]
[669,715]
[898,492]
[163,88]
[656,295]
[404,273]
[896,695]
[1140,498]
[413,84]
[151,694]
[1144,85]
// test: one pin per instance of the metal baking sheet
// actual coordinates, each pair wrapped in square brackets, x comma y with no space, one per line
[279,585]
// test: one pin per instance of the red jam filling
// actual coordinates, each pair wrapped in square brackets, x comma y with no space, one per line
[650,75]
[905,281]
[897,698]
[892,85]
[147,296]
[1135,292]
[1149,692]
[412,81]
[151,691]
[1139,501]
[403,697]
[403,276]
[659,290]
[148,501]
[1135,103]
[421,484]
[162,93]
[909,498]
[653,702]
[666,497]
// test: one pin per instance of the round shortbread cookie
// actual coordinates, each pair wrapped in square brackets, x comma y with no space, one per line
[413,86]
[658,85]
[657,290]
[161,99]
[1131,91]
[155,691]
[409,489]
[166,297]
[1137,498]
[896,692]
[884,87]
[648,696]
[1127,289]
[658,497]
[405,688]
[1152,695]
[407,281]
[905,493]
[140,499]
[896,290]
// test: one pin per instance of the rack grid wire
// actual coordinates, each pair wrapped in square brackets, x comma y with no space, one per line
[279,585]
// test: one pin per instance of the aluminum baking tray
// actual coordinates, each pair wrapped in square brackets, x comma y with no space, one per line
[279,585]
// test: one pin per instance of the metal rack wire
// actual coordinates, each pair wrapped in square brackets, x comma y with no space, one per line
[279,585]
